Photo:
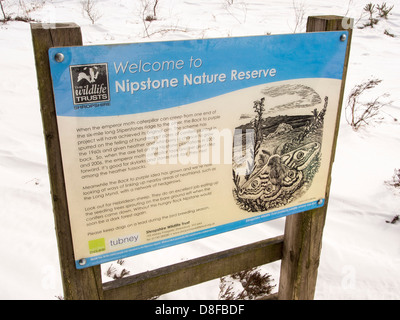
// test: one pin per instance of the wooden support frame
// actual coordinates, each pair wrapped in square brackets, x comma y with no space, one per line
[77,284]
[299,248]
[303,231]
[195,271]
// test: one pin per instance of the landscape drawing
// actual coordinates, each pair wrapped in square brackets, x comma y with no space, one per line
[285,148]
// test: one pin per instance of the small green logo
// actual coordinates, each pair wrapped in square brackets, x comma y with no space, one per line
[97,245]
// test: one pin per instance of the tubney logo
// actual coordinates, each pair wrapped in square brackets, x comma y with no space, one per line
[125,240]
[90,83]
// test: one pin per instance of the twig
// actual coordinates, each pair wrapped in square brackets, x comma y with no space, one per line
[2,10]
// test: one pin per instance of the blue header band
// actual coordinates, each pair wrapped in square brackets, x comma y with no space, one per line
[110,80]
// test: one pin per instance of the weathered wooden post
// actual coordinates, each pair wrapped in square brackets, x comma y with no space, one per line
[303,231]
[78,284]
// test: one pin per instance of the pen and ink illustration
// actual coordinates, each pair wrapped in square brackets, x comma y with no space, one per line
[283,149]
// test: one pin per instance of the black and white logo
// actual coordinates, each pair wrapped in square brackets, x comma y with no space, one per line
[90,83]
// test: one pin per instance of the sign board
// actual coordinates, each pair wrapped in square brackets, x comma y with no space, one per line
[168,142]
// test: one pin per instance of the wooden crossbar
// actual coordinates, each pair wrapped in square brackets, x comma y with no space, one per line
[195,271]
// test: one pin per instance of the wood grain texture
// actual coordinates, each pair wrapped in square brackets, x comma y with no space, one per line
[303,231]
[78,284]
[188,273]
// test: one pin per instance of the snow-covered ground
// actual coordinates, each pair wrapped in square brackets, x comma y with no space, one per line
[361,251]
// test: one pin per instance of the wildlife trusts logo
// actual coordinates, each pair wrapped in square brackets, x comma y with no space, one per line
[90,83]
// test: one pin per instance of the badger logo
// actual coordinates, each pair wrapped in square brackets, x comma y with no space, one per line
[90,83]
[91,76]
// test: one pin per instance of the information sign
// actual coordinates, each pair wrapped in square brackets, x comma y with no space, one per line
[167,142]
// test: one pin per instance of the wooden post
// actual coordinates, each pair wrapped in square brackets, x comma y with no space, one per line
[303,232]
[78,284]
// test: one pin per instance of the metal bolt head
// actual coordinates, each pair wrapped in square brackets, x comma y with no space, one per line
[59,57]
[343,37]
[82,261]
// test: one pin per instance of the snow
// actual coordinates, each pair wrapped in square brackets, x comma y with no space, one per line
[361,252]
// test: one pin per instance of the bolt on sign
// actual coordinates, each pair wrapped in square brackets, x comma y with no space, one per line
[168,142]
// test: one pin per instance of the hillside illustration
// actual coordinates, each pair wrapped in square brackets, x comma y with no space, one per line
[285,150]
